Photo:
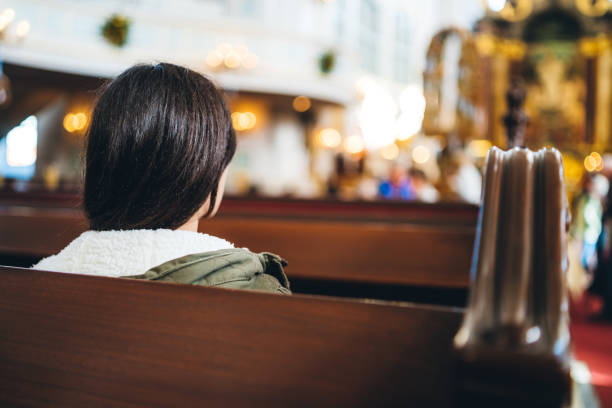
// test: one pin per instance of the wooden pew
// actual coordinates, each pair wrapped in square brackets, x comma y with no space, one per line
[372,249]
[374,252]
[76,341]
[368,252]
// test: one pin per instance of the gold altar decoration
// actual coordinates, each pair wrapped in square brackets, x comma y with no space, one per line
[489,45]
[461,118]
[592,47]
[593,8]
[561,50]
[516,10]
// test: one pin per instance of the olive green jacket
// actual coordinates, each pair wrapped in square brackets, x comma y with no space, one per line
[234,268]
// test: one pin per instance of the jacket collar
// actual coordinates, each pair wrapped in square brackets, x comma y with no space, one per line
[132,252]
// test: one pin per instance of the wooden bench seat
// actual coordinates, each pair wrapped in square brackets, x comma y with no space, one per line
[72,340]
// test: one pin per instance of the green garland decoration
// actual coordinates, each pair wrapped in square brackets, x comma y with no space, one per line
[115,29]
[327,62]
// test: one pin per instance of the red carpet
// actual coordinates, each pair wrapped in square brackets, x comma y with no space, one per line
[592,343]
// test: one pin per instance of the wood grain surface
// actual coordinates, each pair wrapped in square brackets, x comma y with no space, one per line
[375,251]
[82,341]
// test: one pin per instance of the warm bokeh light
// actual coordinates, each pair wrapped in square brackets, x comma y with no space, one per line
[232,60]
[22,29]
[354,144]
[213,59]
[244,120]
[74,122]
[6,17]
[421,154]
[593,162]
[251,119]
[589,163]
[389,152]
[329,137]
[230,57]
[479,147]
[68,122]
[301,103]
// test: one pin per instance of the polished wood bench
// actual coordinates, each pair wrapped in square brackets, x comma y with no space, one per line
[76,341]
[378,256]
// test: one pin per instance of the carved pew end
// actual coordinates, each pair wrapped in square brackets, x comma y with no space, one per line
[513,346]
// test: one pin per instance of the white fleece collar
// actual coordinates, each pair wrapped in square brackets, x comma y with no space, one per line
[124,253]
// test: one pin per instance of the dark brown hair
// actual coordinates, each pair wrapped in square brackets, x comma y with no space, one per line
[159,140]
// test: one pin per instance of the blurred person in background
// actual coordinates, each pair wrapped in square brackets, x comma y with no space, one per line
[397,186]
[602,276]
[461,180]
[586,226]
[423,189]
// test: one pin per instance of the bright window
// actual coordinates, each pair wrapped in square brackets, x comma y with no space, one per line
[18,150]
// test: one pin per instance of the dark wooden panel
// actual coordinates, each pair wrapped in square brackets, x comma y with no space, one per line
[365,252]
[440,214]
[71,340]
[369,252]
[38,231]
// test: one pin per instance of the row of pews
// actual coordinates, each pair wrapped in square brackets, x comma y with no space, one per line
[69,340]
[380,250]
[137,345]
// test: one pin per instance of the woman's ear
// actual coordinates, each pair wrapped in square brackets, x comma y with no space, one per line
[192,223]
[219,198]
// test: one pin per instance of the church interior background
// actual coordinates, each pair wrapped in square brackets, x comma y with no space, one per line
[358,100]
[371,103]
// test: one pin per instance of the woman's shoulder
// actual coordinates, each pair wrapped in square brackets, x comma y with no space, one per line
[236,268]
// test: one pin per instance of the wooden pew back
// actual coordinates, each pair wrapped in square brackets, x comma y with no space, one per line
[372,252]
[71,340]
[368,252]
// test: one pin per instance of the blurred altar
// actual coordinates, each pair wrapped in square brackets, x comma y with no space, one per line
[344,99]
